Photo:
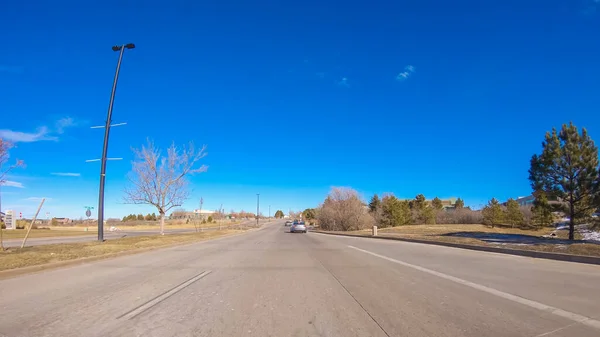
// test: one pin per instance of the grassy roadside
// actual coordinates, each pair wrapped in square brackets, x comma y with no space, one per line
[480,235]
[182,226]
[452,229]
[42,233]
[60,231]
[39,255]
[145,225]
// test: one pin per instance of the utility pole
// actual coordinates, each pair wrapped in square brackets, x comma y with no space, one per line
[32,223]
[257,207]
[201,204]
[120,49]
[269,212]
[199,215]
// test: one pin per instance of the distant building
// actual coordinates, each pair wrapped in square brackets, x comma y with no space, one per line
[523,201]
[526,201]
[530,199]
[196,214]
[449,203]
[63,221]
[204,212]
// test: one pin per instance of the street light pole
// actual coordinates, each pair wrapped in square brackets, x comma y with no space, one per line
[121,50]
[257,207]
[1,218]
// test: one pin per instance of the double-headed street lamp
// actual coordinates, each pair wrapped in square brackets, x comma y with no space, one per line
[120,49]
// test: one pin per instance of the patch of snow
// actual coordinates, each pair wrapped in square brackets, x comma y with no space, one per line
[587,234]
[510,244]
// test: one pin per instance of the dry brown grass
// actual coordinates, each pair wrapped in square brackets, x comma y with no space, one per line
[145,225]
[444,229]
[38,255]
[124,226]
[442,233]
[91,228]
[42,233]
[420,230]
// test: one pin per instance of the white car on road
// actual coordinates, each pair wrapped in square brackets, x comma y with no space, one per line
[298,227]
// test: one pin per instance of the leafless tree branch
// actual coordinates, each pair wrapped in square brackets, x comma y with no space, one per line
[4,156]
[161,181]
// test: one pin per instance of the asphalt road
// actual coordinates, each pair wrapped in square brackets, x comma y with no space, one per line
[272,283]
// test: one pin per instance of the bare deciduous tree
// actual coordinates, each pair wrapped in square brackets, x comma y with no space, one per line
[4,170]
[459,216]
[161,181]
[179,213]
[527,215]
[344,210]
[4,156]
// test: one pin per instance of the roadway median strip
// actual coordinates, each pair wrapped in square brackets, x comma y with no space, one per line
[15,261]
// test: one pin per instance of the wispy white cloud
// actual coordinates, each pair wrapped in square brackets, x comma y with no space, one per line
[320,74]
[37,199]
[64,123]
[66,174]
[408,70]
[12,184]
[344,82]
[42,133]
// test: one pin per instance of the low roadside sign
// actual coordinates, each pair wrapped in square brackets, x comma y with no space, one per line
[10,221]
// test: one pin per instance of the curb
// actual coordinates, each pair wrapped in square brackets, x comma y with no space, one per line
[10,273]
[518,252]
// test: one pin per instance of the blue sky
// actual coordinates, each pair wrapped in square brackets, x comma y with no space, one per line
[292,97]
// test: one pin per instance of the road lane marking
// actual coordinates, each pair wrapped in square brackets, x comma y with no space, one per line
[533,304]
[557,330]
[156,300]
[353,297]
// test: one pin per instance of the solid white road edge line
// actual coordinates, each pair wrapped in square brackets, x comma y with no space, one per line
[533,304]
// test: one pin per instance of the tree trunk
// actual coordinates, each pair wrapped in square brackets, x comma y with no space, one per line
[571,220]
[1,237]
[162,223]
